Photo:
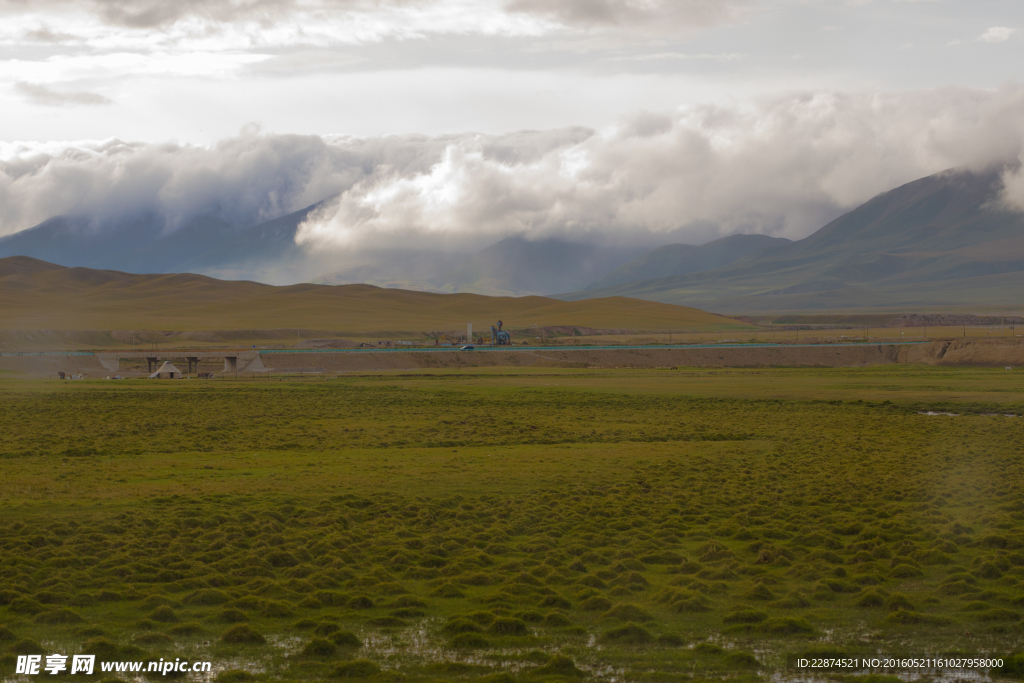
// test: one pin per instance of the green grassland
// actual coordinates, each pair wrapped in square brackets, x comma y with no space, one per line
[628,525]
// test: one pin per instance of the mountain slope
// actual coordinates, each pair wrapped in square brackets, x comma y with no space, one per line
[941,241]
[75,240]
[142,244]
[268,253]
[514,266]
[681,259]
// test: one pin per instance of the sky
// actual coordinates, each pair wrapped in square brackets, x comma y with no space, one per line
[589,119]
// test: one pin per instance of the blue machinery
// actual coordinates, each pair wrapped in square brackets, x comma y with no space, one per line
[498,337]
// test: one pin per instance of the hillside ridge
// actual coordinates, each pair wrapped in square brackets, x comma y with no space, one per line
[943,241]
[35,294]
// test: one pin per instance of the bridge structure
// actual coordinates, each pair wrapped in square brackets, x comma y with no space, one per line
[235,360]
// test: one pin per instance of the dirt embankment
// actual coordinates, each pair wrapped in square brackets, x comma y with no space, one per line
[876,320]
[992,353]
[49,366]
[614,358]
[987,352]
[967,352]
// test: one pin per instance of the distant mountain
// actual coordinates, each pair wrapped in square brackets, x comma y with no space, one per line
[681,259]
[514,266]
[268,253]
[142,245]
[944,241]
[415,270]
[138,244]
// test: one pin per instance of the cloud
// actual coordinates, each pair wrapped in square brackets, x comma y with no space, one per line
[157,13]
[1013,192]
[245,179]
[996,34]
[47,97]
[681,56]
[44,34]
[630,12]
[783,165]
[298,20]
[269,21]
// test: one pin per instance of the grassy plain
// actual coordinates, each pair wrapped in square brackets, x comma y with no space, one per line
[646,525]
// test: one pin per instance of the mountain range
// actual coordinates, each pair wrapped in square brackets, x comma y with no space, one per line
[267,252]
[941,242]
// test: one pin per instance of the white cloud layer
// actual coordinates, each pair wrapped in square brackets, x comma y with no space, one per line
[997,34]
[48,97]
[236,25]
[782,165]
[630,12]
[430,15]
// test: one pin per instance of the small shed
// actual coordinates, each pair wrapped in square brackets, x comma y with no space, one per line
[166,371]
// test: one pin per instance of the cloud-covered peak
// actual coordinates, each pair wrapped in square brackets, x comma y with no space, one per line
[781,165]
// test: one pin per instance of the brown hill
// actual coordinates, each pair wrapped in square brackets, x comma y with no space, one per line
[35,295]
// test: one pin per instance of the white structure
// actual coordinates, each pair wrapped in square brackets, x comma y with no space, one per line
[167,370]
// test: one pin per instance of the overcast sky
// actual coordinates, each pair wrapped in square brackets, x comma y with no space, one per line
[648,115]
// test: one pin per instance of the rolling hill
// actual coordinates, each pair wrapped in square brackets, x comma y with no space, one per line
[35,295]
[939,243]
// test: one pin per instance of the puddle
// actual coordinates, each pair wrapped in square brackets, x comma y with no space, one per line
[935,412]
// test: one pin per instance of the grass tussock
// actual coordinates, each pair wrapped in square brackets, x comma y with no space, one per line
[601,513]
